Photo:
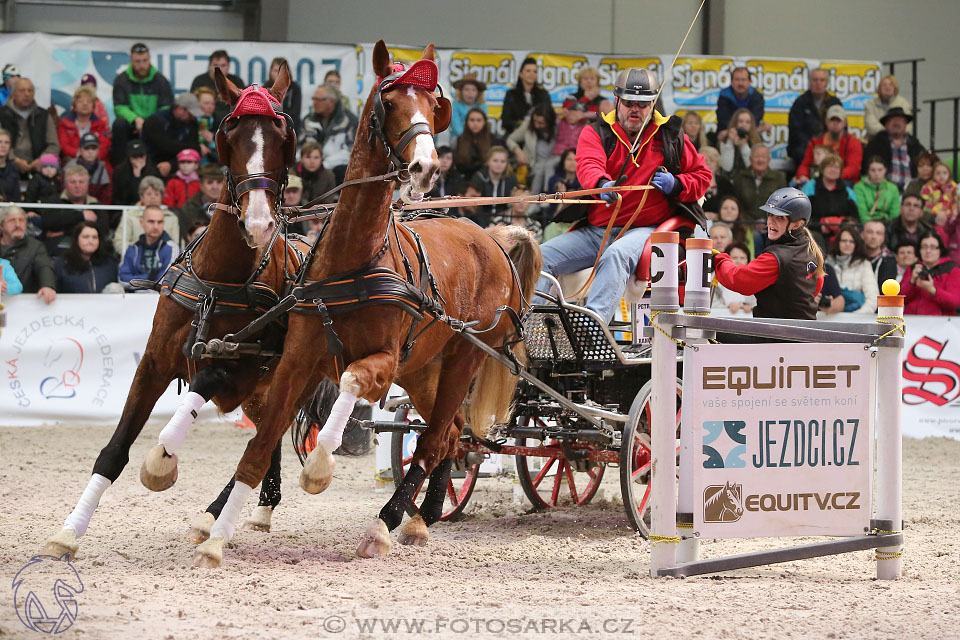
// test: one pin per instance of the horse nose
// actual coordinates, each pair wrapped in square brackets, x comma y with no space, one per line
[261,230]
[424,169]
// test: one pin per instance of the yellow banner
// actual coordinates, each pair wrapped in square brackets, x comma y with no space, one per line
[697,82]
[780,81]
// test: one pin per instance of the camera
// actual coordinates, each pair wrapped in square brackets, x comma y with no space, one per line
[743,133]
[924,273]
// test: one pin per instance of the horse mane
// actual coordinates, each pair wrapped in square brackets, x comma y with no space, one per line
[517,241]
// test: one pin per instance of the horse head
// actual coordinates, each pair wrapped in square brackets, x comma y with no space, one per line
[256,143]
[405,115]
[732,498]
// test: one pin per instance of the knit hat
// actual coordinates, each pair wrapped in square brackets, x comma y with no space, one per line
[88,78]
[188,155]
[49,160]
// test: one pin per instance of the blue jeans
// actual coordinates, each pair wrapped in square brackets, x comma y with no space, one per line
[577,250]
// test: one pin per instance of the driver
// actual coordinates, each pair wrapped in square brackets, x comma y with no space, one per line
[602,154]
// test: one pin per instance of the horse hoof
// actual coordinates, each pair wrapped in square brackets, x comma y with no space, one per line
[200,528]
[376,541]
[259,520]
[414,533]
[159,469]
[317,471]
[209,555]
[64,542]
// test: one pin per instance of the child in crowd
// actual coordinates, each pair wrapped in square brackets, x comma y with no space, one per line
[473,143]
[469,94]
[877,197]
[940,193]
[925,162]
[564,180]
[207,101]
[9,172]
[744,234]
[496,180]
[316,180]
[517,214]
[723,297]
[449,182]
[195,229]
[46,183]
[186,182]
[89,158]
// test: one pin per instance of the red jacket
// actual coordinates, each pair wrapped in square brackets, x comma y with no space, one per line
[850,151]
[944,303]
[750,278]
[594,168]
[69,136]
[178,191]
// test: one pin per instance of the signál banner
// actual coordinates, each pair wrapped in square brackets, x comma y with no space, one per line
[782,439]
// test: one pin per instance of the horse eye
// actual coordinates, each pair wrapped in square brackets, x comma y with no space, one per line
[388,106]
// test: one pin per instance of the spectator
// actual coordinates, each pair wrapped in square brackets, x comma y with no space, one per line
[293,197]
[81,120]
[9,173]
[933,288]
[831,295]
[207,102]
[138,92]
[292,103]
[948,226]
[332,78]
[314,226]
[532,144]
[46,183]
[857,279]
[166,133]
[128,174]
[693,127]
[722,236]
[563,180]
[10,284]
[153,251]
[30,260]
[495,180]
[517,213]
[316,180]
[473,144]
[469,95]
[471,213]
[910,225]
[185,183]
[737,141]
[720,185]
[151,194]
[198,227]
[195,208]
[888,97]
[725,298]
[877,197]
[89,159]
[333,127]
[741,233]
[898,149]
[11,73]
[882,260]
[806,119]
[940,193]
[925,162]
[831,200]
[739,95]
[906,257]
[219,59]
[32,130]
[580,109]
[88,265]
[520,101]
[449,182]
[99,109]
[840,142]
[57,223]
[754,185]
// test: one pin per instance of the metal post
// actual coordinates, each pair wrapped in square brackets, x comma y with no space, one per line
[933,124]
[889,440]
[956,133]
[663,494]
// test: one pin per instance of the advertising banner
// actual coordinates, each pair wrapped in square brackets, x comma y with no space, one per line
[931,377]
[782,439]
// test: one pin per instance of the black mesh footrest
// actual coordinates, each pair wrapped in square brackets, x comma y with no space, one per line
[565,334]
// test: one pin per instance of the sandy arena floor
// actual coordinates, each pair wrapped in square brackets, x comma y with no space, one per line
[499,572]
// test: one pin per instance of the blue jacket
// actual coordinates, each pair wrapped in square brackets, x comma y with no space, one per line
[13,282]
[10,182]
[166,248]
[727,103]
[459,116]
[92,280]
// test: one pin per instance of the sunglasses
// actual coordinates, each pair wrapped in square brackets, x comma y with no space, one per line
[140,48]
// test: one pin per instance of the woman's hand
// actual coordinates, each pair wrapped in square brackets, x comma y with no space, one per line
[927,285]
[734,307]
[915,274]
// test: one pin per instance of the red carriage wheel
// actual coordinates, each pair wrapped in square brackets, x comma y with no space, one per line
[550,479]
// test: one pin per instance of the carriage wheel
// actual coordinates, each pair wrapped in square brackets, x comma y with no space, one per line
[635,459]
[459,490]
[548,480]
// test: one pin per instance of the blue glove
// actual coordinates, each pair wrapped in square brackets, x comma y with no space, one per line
[609,196]
[664,181]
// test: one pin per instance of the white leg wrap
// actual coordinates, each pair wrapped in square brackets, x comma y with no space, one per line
[332,433]
[226,524]
[79,518]
[173,435]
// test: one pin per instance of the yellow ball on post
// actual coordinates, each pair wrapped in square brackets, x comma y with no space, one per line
[890,287]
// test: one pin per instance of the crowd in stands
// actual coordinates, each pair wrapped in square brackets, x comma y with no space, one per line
[883,207]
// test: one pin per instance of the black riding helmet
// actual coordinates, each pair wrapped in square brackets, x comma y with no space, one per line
[636,85]
[788,202]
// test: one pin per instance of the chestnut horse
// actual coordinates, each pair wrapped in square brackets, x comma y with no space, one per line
[474,281]
[229,252]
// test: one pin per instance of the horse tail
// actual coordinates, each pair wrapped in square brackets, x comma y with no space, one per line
[313,415]
[491,399]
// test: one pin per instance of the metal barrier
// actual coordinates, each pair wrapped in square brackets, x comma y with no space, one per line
[674,550]
[914,62]
[955,149]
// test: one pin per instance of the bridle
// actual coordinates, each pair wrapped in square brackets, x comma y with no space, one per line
[378,120]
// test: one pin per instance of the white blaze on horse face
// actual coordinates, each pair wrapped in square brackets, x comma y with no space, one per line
[257,217]
[423,153]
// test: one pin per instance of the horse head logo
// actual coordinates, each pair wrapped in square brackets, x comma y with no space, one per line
[723,503]
[45,594]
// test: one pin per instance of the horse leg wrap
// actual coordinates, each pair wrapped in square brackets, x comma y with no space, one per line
[217,505]
[432,507]
[79,518]
[332,433]
[270,487]
[392,512]
[226,524]
[173,435]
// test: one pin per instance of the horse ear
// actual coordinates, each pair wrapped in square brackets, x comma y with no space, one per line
[381,60]
[226,90]
[428,52]
[282,83]
[441,117]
